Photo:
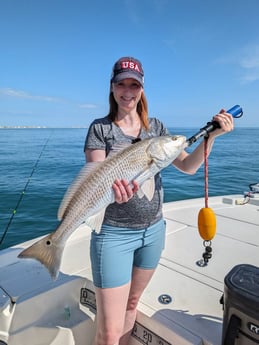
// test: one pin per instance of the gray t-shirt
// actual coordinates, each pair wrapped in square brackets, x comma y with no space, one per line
[137,213]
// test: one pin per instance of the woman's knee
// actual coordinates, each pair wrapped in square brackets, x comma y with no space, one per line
[108,336]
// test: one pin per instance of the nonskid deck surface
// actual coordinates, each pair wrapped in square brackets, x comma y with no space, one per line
[180,305]
[196,291]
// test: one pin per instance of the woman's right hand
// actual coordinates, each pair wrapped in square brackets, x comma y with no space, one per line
[123,190]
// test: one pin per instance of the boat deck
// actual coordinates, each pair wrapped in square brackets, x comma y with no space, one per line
[181,305]
[196,291]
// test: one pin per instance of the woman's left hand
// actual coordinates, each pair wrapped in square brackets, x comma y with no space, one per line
[225,121]
[123,190]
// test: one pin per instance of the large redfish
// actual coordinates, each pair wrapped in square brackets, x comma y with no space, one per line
[91,192]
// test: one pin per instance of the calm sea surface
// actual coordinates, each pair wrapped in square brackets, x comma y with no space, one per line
[37,166]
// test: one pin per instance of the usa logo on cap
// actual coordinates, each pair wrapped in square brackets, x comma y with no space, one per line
[127,67]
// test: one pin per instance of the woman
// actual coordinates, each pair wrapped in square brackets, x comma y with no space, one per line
[125,253]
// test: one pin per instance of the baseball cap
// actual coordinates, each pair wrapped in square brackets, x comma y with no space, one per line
[127,67]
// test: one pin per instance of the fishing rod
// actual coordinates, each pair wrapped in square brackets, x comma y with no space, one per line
[23,192]
[236,111]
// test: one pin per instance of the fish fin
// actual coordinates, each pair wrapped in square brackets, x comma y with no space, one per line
[147,182]
[95,221]
[47,253]
[146,174]
[140,193]
[148,188]
[75,185]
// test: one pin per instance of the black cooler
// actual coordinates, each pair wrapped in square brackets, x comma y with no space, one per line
[241,306]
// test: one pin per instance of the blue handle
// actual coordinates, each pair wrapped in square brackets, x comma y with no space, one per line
[236,111]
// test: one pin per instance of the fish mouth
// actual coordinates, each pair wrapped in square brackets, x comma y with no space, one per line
[180,138]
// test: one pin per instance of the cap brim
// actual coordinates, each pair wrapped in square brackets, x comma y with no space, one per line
[126,75]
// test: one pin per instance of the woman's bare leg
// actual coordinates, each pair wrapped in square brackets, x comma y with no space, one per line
[111,306]
[140,279]
[117,309]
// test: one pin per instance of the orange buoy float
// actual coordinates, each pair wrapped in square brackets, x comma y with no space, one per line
[207,223]
[206,216]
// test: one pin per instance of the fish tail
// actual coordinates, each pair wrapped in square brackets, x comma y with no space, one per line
[47,253]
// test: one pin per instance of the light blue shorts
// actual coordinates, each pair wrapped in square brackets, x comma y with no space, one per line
[114,251]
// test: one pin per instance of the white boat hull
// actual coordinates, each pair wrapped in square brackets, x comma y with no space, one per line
[38,311]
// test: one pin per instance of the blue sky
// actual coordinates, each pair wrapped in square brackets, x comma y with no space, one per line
[198,56]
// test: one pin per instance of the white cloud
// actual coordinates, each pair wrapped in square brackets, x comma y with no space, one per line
[25,95]
[251,57]
[247,59]
[88,106]
[249,63]
[8,92]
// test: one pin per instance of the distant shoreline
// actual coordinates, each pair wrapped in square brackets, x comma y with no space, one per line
[86,127]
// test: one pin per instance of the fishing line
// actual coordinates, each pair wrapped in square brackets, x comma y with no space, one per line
[24,190]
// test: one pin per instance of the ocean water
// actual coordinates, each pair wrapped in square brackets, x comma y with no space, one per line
[37,166]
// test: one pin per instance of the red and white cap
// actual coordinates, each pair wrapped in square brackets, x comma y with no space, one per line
[127,67]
